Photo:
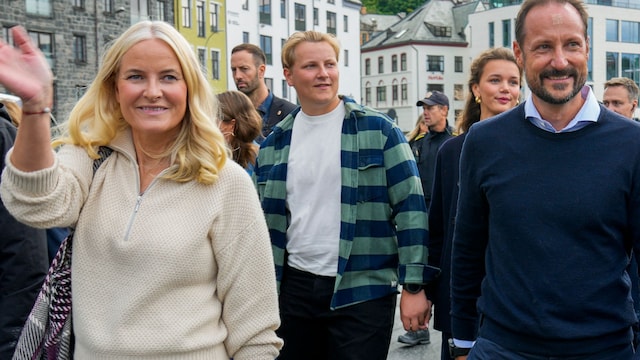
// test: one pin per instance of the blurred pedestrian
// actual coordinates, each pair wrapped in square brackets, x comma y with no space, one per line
[240,124]
[621,96]
[23,254]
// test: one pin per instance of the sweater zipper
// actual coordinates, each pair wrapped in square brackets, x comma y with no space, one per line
[136,208]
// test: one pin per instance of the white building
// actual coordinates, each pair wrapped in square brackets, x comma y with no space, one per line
[269,23]
[614,30]
[425,51]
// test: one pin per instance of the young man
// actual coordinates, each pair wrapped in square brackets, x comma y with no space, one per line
[621,96]
[248,64]
[548,211]
[340,190]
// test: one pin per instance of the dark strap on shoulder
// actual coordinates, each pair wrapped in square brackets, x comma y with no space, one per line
[104,153]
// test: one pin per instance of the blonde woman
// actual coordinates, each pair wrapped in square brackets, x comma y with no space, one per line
[171,255]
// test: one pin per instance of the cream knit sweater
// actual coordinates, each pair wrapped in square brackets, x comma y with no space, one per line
[183,271]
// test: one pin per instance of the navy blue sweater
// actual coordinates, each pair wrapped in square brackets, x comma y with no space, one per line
[543,233]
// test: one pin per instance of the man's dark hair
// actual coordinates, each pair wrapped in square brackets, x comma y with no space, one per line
[258,55]
[527,5]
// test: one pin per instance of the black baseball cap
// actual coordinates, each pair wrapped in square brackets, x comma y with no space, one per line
[434,98]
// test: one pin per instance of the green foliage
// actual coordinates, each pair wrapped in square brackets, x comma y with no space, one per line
[391,7]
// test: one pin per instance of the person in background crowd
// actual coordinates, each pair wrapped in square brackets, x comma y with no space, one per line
[548,210]
[171,254]
[240,124]
[344,206]
[621,96]
[55,236]
[248,65]
[23,254]
[493,87]
[435,107]
[415,136]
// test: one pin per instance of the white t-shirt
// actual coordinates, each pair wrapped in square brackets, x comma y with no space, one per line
[313,192]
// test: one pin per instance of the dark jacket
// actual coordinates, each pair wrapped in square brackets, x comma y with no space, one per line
[442,216]
[23,260]
[278,110]
[427,159]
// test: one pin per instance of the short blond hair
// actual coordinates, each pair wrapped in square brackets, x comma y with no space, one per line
[289,47]
[630,85]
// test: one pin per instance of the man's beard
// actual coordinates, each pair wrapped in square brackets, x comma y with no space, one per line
[538,89]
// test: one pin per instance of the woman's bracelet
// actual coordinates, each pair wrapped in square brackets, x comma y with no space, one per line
[46,110]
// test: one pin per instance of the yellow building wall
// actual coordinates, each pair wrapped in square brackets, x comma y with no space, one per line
[212,39]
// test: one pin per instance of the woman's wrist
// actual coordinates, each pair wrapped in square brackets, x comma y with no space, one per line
[36,111]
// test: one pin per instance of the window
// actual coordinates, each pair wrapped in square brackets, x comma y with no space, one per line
[435,87]
[440,31]
[44,42]
[612,65]
[492,35]
[380,65]
[300,13]
[316,16]
[78,4]
[186,13]
[200,19]
[269,82]
[202,58]
[79,49]
[283,9]
[331,23]
[265,12]
[245,37]
[39,7]
[285,89]
[245,5]
[612,30]
[161,11]
[6,35]
[403,62]
[367,95]
[630,32]
[394,92]
[331,1]
[590,40]
[435,63]
[381,94]
[458,64]
[215,65]
[404,91]
[394,63]
[367,66]
[458,92]
[345,23]
[265,45]
[346,57]
[108,6]
[213,16]
[506,33]
[630,66]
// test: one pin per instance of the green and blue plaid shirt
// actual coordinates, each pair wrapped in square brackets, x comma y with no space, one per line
[383,229]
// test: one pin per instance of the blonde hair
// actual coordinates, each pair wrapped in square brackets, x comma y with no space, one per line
[289,47]
[416,130]
[199,149]
[14,111]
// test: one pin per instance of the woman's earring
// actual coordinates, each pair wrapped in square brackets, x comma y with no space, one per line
[478,100]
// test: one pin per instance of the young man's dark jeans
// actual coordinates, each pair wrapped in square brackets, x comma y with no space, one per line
[312,331]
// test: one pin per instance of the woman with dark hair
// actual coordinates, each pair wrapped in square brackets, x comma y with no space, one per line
[240,124]
[494,87]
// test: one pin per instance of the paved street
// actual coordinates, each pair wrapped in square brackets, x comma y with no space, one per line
[399,351]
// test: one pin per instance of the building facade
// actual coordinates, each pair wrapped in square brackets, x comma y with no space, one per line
[614,33]
[269,24]
[425,51]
